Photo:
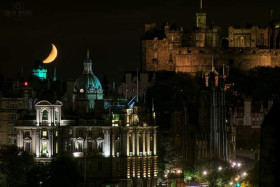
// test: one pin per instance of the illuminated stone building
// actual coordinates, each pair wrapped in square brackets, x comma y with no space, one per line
[111,142]
[172,49]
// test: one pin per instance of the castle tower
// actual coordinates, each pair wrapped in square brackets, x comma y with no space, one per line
[201,18]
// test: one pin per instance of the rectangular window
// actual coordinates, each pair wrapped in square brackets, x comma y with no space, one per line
[44,147]
[12,116]
[56,115]
[44,134]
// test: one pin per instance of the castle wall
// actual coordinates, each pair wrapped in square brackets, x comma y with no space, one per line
[193,59]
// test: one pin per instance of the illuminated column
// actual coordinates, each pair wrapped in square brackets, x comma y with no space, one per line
[20,139]
[33,142]
[37,140]
[127,144]
[86,145]
[144,145]
[107,143]
[155,142]
[148,142]
[133,143]
[51,143]
[37,116]
[137,141]
[113,144]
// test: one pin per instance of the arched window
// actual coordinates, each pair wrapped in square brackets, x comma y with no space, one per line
[45,115]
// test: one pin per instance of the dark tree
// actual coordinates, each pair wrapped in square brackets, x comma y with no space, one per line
[15,166]
[64,172]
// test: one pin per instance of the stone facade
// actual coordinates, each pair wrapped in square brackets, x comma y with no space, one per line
[119,148]
[175,50]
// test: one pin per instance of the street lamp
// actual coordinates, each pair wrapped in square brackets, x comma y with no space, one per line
[204,172]
[238,165]
[220,168]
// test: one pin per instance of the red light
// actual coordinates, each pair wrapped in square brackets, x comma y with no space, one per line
[25,83]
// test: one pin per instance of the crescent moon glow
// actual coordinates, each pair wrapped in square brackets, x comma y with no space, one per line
[52,55]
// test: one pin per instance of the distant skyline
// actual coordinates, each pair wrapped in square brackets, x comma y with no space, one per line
[111,30]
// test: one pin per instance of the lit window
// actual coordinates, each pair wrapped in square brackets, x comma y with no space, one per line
[56,115]
[44,133]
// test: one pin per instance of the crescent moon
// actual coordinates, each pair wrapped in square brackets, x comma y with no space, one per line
[52,55]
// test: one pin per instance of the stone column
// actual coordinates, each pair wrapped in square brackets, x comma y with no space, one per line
[113,144]
[148,142]
[33,142]
[155,142]
[133,143]
[137,141]
[127,143]
[51,150]
[20,139]
[86,145]
[106,143]
[37,140]
[37,116]
[144,140]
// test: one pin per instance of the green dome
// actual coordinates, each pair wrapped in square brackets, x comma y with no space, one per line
[88,83]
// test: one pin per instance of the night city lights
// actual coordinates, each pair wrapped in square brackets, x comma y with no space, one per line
[143,93]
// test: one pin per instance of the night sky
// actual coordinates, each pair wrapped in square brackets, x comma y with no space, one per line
[111,30]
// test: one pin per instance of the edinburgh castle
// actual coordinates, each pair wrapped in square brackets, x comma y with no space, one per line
[173,49]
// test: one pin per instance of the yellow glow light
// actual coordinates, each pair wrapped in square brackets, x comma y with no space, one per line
[52,55]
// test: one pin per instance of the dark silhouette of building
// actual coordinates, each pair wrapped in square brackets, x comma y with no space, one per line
[270,139]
